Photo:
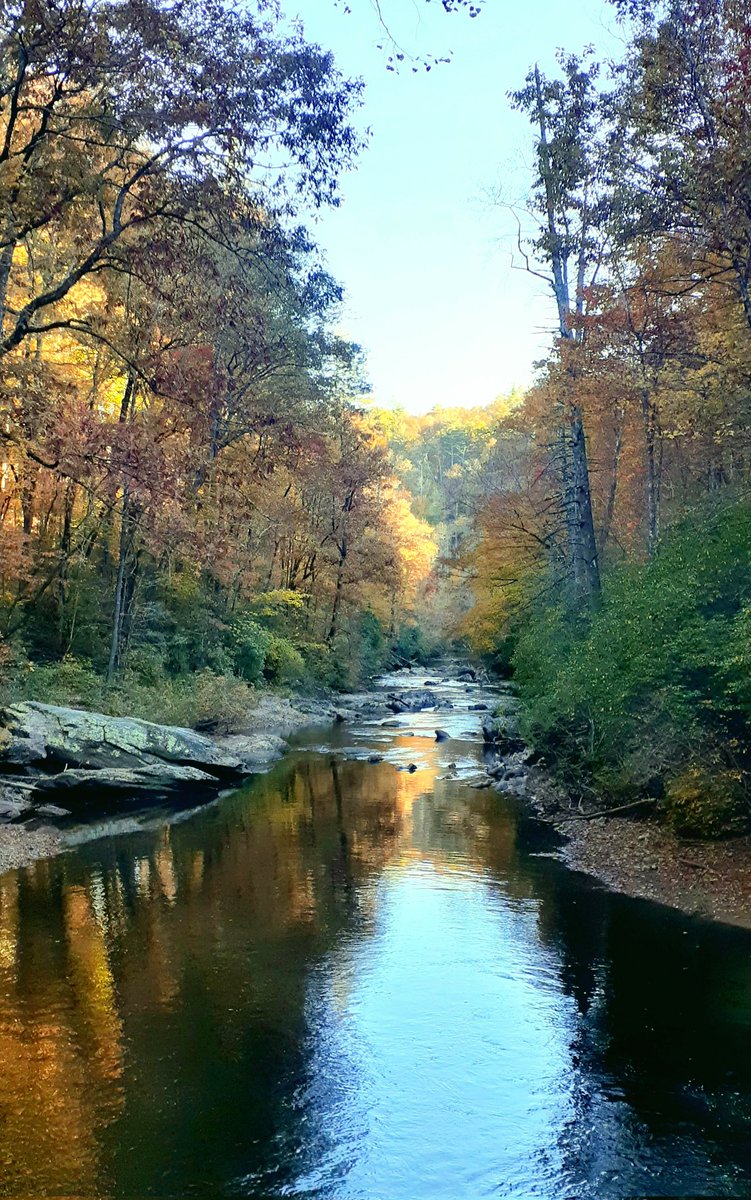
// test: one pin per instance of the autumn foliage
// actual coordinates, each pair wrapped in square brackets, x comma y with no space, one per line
[187,483]
[639,219]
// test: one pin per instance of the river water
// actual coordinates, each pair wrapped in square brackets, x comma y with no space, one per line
[350,980]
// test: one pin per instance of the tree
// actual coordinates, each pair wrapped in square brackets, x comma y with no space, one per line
[567,202]
[117,116]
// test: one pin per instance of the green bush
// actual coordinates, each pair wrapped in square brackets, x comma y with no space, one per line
[221,702]
[410,647]
[283,664]
[706,803]
[320,664]
[71,682]
[250,645]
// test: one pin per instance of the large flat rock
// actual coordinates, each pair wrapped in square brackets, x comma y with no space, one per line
[55,738]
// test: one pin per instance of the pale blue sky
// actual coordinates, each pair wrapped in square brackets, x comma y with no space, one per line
[424,252]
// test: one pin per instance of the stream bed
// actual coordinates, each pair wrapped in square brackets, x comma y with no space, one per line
[356,981]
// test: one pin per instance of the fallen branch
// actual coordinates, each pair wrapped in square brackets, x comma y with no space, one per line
[608,812]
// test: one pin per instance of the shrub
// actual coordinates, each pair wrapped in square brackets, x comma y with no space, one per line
[320,665]
[250,644]
[217,701]
[283,664]
[71,682]
[707,803]
[410,646]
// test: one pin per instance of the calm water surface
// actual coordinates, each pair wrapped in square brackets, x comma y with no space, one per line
[352,981]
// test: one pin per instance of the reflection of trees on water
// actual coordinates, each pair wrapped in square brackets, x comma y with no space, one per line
[155,990]
[180,957]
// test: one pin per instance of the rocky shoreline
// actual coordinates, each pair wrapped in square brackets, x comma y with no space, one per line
[60,764]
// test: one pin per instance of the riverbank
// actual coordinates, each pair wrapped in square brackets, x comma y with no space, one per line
[638,855]
[646,859]
[635,856]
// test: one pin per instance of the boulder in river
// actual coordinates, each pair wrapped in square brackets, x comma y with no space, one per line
[441,735]
[505,741]
[253,750]
[411,701]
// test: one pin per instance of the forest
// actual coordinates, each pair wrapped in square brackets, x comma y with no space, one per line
[197,496]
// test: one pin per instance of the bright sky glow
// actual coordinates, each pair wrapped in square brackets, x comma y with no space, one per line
[422,247]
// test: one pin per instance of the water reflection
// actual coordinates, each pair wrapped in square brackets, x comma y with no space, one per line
[352,981]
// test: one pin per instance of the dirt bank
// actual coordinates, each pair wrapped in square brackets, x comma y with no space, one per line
[646,859]
[639,856]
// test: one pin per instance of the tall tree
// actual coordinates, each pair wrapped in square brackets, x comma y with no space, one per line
[566,203]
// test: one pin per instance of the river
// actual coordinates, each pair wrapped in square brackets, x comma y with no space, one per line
[355,981]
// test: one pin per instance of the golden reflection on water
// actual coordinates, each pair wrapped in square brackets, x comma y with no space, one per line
[96,943]
[60,1040]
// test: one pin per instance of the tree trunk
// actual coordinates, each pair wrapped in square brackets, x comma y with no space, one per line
[652,472]
[117,619]
[123,546]
[586,566]
[337,594]
[607,517]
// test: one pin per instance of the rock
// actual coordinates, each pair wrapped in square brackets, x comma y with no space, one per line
[375,758]
[253,750]
[489,731]
[467,674]
[125,783]
[413,701]
[477,708]
[392,724]
[412,768]
[51,810]
[11,809]
[56,738]
[441,735]
[504,742]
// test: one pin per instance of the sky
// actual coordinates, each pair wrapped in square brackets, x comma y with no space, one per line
[424,239]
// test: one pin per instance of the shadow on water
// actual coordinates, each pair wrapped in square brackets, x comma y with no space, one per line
[352,981]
